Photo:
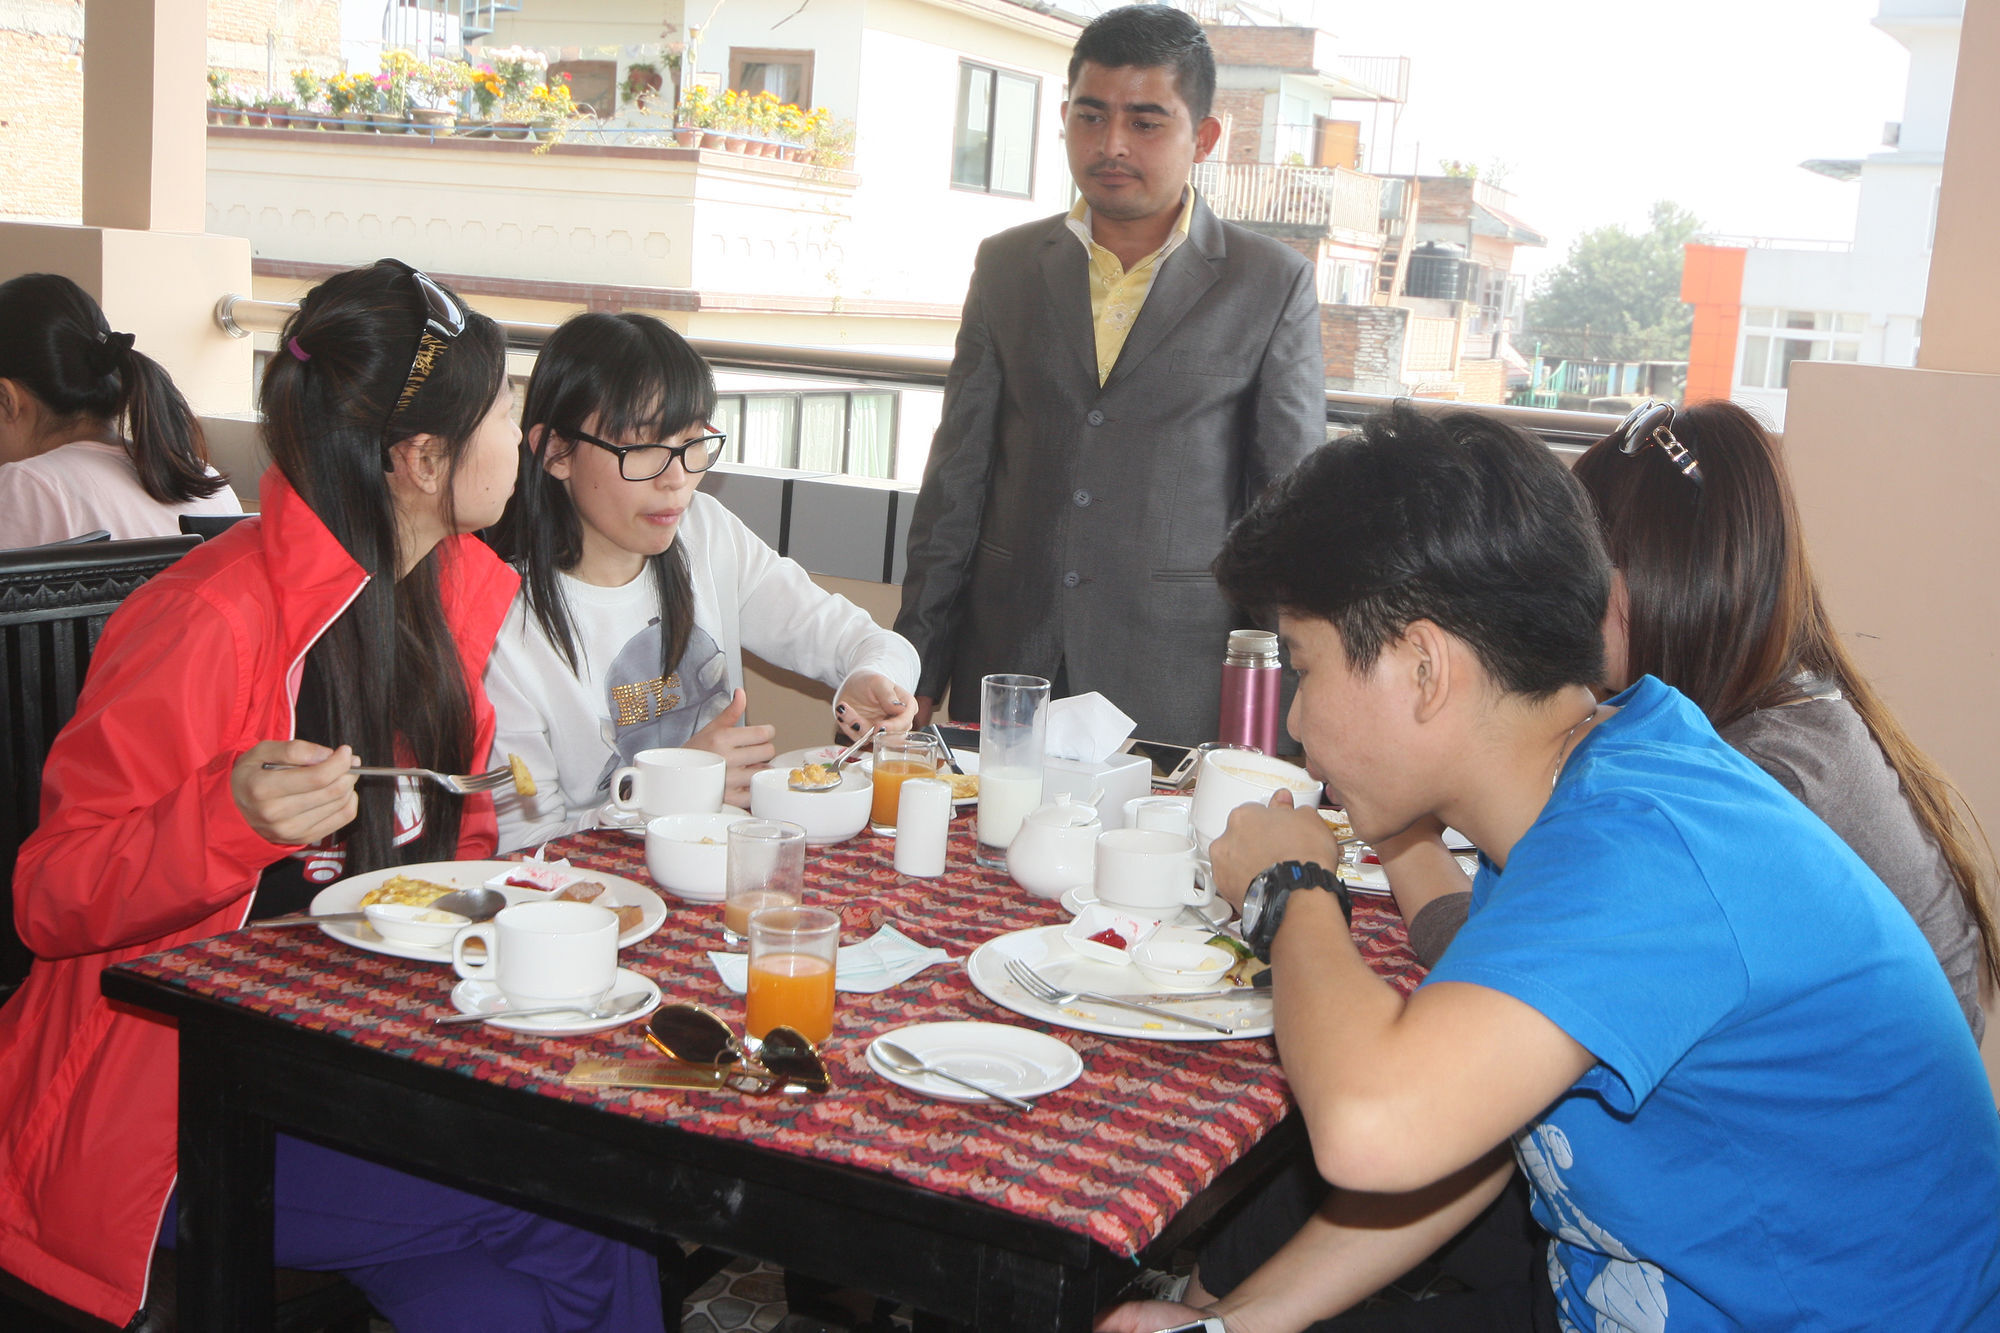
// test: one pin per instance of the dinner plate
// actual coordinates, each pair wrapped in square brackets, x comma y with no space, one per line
[993,1055]
[821,754]
[612,817]
[345,896]
[1218,912]
[1045,950]
[484,998]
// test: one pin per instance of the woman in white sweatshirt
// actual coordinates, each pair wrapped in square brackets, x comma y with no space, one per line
[639,594]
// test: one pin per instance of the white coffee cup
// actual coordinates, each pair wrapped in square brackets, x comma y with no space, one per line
[1167,814]
[1149,871]
[1230,778]
[545,954]
[670,782]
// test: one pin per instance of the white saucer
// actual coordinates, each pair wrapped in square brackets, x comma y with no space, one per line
[484,998]
[1219,912]
[999,1056]
[612,817]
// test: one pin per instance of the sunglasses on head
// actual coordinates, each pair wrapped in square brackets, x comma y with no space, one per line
[1652,422]
[694,1035]
[444,320]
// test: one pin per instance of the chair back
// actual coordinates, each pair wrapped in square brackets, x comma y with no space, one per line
[54,601]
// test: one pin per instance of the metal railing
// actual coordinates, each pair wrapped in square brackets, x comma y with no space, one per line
[1311,196]
[1567,433]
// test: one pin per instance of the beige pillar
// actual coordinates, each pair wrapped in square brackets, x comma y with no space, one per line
[1958,308]
[145,146]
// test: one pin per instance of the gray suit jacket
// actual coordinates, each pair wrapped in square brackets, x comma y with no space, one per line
[1062,522]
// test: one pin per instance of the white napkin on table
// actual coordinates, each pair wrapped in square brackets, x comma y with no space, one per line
[886,958]
[1087,728]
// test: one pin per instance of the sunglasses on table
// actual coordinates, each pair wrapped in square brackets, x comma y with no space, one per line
[1652,423]
[643,462]
[703,1052]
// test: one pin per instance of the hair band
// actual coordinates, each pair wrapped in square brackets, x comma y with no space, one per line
[292,346]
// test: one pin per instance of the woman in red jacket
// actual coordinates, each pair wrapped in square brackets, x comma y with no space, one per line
[353,618]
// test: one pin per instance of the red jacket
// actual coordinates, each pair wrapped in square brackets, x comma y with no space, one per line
[141,848]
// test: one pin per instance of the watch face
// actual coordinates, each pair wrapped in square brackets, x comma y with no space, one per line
[1253,907]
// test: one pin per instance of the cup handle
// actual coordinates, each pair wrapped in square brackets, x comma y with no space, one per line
[1202,893]
[618,781]
[476,971]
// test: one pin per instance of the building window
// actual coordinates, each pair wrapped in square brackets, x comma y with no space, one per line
[993,138]
[812,431]
[1346,282]
[787,75]
[1773,339]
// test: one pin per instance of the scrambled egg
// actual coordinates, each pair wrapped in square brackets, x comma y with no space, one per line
[405,890]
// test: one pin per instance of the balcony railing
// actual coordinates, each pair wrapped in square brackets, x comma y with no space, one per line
[1307,196]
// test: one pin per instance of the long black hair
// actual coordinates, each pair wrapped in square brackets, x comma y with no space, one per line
[387,671]
[615,376]
[56,344]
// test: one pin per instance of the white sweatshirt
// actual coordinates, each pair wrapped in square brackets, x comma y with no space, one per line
[575,729]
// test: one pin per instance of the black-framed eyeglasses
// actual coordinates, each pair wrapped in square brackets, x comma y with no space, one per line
[696,1036]
[444,320]
[643,462]
[1652,422]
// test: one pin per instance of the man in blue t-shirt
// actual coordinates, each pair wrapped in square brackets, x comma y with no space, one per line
[1723,1055]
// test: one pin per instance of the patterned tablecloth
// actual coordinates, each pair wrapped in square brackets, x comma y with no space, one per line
[1113,1156]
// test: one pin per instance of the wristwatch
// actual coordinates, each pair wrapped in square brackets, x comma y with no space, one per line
[1264,902]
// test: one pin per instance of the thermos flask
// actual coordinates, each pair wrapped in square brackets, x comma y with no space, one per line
[1250,675]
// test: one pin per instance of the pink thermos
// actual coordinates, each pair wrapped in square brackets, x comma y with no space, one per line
[1250,675]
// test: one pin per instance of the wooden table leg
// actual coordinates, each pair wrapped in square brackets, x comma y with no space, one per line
[1016,1294]
[226,1164]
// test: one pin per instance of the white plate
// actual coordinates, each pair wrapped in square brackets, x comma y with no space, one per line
[1219,912]
[1364,878]
[612,817]
[993,1055]
[484,998]
[345,896]
[1044,950]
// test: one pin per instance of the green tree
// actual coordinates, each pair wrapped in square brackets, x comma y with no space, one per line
[1617,296]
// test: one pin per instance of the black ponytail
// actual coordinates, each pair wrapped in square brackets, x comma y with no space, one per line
[55,343]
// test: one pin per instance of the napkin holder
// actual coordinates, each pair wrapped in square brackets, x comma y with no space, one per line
[1123,777]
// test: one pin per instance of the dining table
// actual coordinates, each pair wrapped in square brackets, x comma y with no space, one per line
[973,1213]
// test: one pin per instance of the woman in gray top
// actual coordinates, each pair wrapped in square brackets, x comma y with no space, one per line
[1715,597]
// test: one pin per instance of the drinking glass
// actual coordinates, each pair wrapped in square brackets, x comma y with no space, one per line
[1013,723]
[792,953]
[898,758]
[767,868]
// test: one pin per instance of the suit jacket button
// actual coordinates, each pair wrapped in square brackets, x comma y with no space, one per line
[1096,418]
[1082,498]
[1071,579]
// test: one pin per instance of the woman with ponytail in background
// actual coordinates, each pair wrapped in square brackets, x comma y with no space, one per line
[349,622]
[67,385]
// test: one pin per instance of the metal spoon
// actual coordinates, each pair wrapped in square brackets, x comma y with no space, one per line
[905,1062]
[617,1007]
[472,904]
[845,755]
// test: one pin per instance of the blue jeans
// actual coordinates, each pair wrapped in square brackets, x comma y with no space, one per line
[433,1259]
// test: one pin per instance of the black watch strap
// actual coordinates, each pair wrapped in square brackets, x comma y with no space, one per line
[1279,883]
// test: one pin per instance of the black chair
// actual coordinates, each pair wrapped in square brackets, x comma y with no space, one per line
[207,526]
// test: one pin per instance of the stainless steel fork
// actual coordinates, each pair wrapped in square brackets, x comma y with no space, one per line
[1049,993]
[464,784]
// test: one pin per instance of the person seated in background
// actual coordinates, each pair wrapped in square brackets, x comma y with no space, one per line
[67,386]
[1739,1085]
[350,621]
[640,595]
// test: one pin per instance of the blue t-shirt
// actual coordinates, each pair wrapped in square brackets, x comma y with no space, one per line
[1788,1125]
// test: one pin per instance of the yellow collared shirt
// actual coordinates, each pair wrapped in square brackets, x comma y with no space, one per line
[1116,292]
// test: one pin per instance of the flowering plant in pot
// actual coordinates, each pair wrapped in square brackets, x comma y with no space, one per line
[701,112]
[487,89]
[309,88]
[642,83]
[761,114]
[224,107]
[435,87]
[393,85]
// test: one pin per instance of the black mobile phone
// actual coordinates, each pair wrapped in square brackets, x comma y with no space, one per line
[1171,763]
[957,737]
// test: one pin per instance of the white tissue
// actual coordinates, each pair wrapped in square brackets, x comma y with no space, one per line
[1087,728]
[884,959]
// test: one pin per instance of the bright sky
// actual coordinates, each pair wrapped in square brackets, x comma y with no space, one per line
[1599,107]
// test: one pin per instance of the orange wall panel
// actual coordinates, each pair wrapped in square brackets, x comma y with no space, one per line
[1712,282]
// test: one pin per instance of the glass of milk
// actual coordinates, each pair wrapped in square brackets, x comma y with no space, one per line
[1013,723]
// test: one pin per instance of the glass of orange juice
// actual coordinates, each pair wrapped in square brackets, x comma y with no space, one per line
[898,758]
[791,972]
[766,867]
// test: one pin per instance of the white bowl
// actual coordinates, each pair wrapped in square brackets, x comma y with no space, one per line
[1179,959]
[688,855]
[415,925]
[1097,918]
[826,816]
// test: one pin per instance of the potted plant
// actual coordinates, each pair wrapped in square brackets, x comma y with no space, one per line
[760,117]
[223,108]
[700,112]
[310,91]
[392,113]
[732,118]
[517,71]
[792,130]
[831,139]
[435,87]
[281,109]
[552,110]
[642,83]
[486,91]
[252,101]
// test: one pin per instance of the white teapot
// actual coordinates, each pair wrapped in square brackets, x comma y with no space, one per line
[1056,849]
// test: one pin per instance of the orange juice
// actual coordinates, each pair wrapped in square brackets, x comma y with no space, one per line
[890,775]
[793,990]
[736,910]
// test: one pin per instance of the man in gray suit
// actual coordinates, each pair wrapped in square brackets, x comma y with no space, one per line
[1127,378]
